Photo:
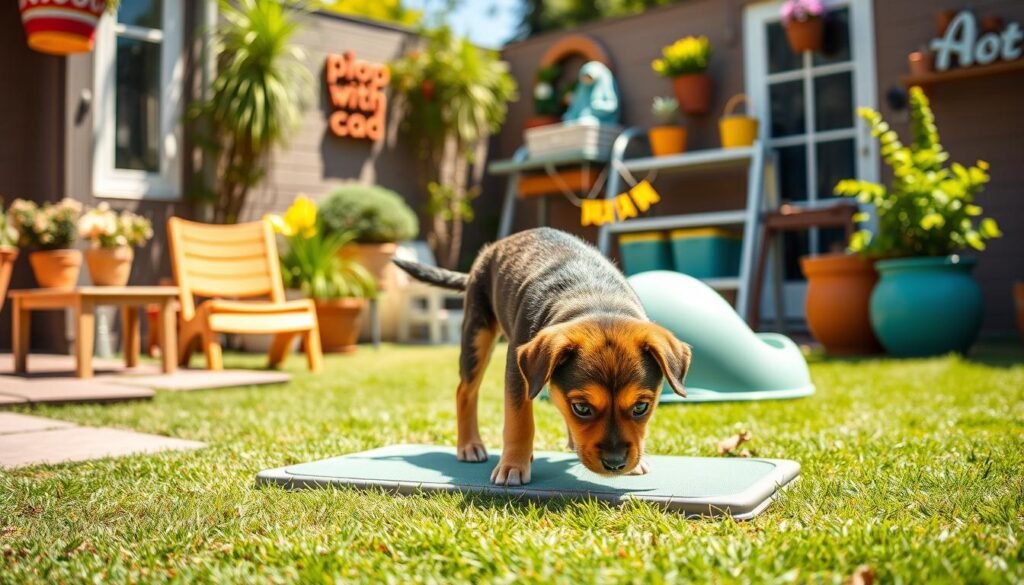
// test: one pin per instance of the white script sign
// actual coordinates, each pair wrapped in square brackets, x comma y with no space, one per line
[962,39]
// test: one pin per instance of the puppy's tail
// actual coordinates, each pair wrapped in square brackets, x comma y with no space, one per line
[434,275]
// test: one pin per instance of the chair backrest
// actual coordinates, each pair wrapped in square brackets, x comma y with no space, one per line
[223,261]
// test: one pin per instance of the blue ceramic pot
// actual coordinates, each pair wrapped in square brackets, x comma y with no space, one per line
[926,306]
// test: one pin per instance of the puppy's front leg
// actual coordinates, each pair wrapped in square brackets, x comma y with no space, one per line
[517,451]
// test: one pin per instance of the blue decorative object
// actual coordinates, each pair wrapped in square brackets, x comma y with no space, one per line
[596,98]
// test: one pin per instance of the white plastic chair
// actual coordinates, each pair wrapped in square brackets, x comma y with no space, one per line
[423,305]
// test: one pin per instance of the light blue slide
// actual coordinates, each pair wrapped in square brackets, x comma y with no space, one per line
[730,362]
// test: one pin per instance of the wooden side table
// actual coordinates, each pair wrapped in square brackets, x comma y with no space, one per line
[83,301]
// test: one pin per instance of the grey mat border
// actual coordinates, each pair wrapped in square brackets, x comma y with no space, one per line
[744,505]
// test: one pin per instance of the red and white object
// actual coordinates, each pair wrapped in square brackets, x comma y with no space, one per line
[61,27]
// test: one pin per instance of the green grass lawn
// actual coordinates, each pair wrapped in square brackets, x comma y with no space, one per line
[915,468]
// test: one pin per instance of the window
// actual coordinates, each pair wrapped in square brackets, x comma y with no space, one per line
[807,103]
[138,106]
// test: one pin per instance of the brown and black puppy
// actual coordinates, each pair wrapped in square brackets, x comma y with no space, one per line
[574,324]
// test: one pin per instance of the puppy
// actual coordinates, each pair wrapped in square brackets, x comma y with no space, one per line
[573,324]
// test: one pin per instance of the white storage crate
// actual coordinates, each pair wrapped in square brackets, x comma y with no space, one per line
[584,140]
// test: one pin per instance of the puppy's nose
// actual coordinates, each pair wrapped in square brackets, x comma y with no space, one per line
[614,460]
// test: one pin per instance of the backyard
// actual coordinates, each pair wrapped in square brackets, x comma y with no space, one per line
[910,467]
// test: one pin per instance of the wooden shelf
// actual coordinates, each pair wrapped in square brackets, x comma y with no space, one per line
[964,73]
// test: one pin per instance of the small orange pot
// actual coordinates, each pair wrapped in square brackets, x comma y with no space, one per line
[537,121]
[110,266]
[838,298]
[339,323]
[1018,299]
[920,63]
[804,35]
[8,254]
[56,268]
[693,92]
[667,140]
[375,258]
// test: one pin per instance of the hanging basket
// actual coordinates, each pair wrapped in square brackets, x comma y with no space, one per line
[61,27]
[737,130]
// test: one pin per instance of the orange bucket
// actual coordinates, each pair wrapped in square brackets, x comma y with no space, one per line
[737,130]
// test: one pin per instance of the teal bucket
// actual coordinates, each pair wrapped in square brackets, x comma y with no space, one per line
[644,251]
[926,306]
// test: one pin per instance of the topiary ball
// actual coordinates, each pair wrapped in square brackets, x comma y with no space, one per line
[374,214]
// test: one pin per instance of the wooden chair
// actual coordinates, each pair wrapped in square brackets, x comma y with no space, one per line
[236,268]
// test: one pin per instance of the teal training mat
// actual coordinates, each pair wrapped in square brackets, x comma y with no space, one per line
[696,486]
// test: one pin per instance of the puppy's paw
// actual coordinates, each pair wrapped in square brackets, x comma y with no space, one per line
[642,468]
[472,453]
[509,473]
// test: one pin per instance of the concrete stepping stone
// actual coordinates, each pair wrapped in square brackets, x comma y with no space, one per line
[11,423]
[66,390]
[48,365]
[188,380]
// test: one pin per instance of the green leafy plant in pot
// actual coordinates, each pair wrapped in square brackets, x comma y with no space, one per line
[926,301]
[8,253]
[51,228]
[669,136]
[312,263]
[376,219]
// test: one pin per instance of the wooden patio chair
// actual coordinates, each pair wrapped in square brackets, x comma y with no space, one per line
[236,269]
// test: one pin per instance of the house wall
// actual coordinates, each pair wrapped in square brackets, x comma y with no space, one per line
[978,118]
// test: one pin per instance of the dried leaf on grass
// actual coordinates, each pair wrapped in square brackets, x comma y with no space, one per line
[862,575]
[728,446]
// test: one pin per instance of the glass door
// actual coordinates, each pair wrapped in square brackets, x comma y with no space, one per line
[807,106]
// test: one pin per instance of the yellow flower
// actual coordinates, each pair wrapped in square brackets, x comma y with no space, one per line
[301,216]
[277,224]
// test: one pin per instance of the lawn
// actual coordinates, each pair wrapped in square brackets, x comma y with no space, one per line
[911,467]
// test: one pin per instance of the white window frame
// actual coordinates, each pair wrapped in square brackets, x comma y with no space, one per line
[109,181]
[756,78]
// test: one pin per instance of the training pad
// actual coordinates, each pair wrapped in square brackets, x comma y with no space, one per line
[697,486]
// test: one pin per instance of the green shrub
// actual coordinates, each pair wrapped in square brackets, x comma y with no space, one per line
[373,214]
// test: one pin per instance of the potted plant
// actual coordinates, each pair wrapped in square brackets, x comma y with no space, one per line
[685,62]
[921,62]
[836,307]
[50,228]
[376,218]
[112,239]
[803,21]
[312,264]
[926,301]
[59,27]
[669,136]
[548,104]
[8,254]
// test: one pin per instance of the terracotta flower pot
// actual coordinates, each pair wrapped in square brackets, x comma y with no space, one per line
[56,268]
[1018,300]
[693,92]
[838,302]
[109,266]
[805,35]
[920,63]
[8,254]
[339,323]
[375,258]
[537,121]
[667,140]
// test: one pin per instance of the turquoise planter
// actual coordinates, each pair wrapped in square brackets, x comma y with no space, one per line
[926,306]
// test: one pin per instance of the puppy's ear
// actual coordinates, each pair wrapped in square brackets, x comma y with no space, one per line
[539,358]
[672,355]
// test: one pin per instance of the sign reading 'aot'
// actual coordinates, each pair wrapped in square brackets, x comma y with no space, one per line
[358,102]
[971,46]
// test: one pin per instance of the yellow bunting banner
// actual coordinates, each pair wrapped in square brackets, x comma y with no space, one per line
[597,212]
[644,195]
[637,200]
[624,205]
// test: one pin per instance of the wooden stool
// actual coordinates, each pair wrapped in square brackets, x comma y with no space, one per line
[790,218]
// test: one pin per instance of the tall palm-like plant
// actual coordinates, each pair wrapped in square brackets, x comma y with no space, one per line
[452,95]
[257,96]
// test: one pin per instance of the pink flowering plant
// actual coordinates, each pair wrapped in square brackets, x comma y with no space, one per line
[801,10]
[47,227]
[103,227]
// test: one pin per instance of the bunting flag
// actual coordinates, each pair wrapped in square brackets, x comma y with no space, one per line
[637,200]
[597,212]
[644,195]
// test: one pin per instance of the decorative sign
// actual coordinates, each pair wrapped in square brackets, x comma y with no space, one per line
[637,200]
[357,96]
[963,41]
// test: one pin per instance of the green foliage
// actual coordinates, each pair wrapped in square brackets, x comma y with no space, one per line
[312,264]
[929,208]
[393,11]
[665,110]
[257,96]
[371,214]
[547,99]
[443,202]
[53,226]
[547,15]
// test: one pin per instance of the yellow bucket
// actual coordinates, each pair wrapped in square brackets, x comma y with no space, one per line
[737,130]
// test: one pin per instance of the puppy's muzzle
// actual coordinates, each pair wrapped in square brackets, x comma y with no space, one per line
[614,460]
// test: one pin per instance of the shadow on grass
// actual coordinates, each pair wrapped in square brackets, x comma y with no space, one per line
[998,353]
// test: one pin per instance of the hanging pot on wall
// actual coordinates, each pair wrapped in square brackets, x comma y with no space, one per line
[693,92]
[805,35]
[60,27]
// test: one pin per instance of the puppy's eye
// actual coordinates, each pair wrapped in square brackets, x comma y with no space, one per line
[582,409]
[641,408]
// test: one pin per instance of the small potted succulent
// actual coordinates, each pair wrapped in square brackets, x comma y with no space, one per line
[685,62]
[926,301]
[8,253]
[112,239]
[51,229]
[376,218]
[804,24]
[548,104]
[669,136]
[312,264]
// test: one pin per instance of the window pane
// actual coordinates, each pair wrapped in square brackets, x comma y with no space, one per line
[831,240]
[794,245]
[787,108]
[836,42]
[780,56]
[791,162]
[144,13]
[836,161]
[833,101]
[137,106]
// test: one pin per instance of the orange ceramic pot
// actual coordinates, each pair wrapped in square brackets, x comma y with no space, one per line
[1018,299]
[838,299]
[804,35]
[339,323]
[537,121]
[667,140]
[693,92]
[8,254]
[110,266]
[375,258]
[56,268]
[920,63]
